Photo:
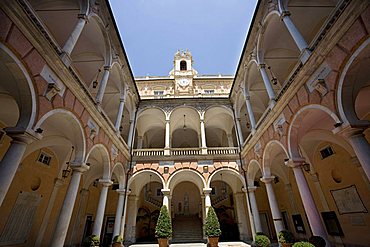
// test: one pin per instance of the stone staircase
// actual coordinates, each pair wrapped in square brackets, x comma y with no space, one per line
[187,229]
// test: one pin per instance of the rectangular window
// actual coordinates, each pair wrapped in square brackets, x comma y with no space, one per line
[44,158]
[326,152]
[209,91]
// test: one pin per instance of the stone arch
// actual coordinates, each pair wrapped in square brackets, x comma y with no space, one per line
[347,86]
[235,184]
[275,151]
[72,130]
[21,98]
[151,127]
[102,26]
[119,171]
[99,161]
[184,175]
[140,178]
[253,167]
[310,113]
[185,127]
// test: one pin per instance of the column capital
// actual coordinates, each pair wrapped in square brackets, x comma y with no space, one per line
[105,182]
[79,166]
[284,13]
[349,131]
[296,162]
[207,191]
[24,136]
[83,16]
[58,182]
[107,67]
[166,192]
[122,100]
[267,180]
[238,119]
[247,97]
[261,66]
[252,188]
[122,191]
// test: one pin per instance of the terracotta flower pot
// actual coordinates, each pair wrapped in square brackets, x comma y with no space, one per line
[162,242]
[117,245]
[286,244]
[213,241]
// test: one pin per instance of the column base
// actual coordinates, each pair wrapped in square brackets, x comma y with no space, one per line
[204,151]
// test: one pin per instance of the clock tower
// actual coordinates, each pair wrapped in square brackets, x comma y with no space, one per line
[183,72]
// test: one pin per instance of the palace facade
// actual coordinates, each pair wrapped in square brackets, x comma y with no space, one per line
[87,149]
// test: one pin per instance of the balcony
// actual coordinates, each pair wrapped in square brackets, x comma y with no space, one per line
[214,153]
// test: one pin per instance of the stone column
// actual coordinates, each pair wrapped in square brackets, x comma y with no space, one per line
[65,214]
[250,112]
[123,220]
[241,216]
[266,81]
[103,85]
[99,217]
[74,36]
[296,35]
[131,220]
[308,202]
[81,208]
[167,138]
[361,147]
[166,201]
[119,210]
[203,136]
[119,117]
[240,133]
[275,211]
[250,213]
[13,156]
[254,208]
[207,199]
[40,236]
[130,134]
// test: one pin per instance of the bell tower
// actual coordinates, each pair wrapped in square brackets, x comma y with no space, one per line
[183,72]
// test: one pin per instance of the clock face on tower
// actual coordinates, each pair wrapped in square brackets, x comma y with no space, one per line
[184,82]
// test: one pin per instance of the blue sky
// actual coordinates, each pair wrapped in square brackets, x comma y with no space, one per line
[152,31]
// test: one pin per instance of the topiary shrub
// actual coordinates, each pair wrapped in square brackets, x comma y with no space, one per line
[212,226]
[118,239]
[261,241]
[163,229]
[94,240]
[317,241]
[285,237]
[303,244]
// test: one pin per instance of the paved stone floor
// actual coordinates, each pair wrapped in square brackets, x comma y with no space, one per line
[221,244]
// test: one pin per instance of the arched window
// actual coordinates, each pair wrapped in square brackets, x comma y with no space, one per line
[183,65]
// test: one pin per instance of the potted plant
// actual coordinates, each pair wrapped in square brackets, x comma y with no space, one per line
[163,229]
[303,244]
[286,238]
[94,240]
[117,241]
[317,241]
[212,228]
[260,240]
